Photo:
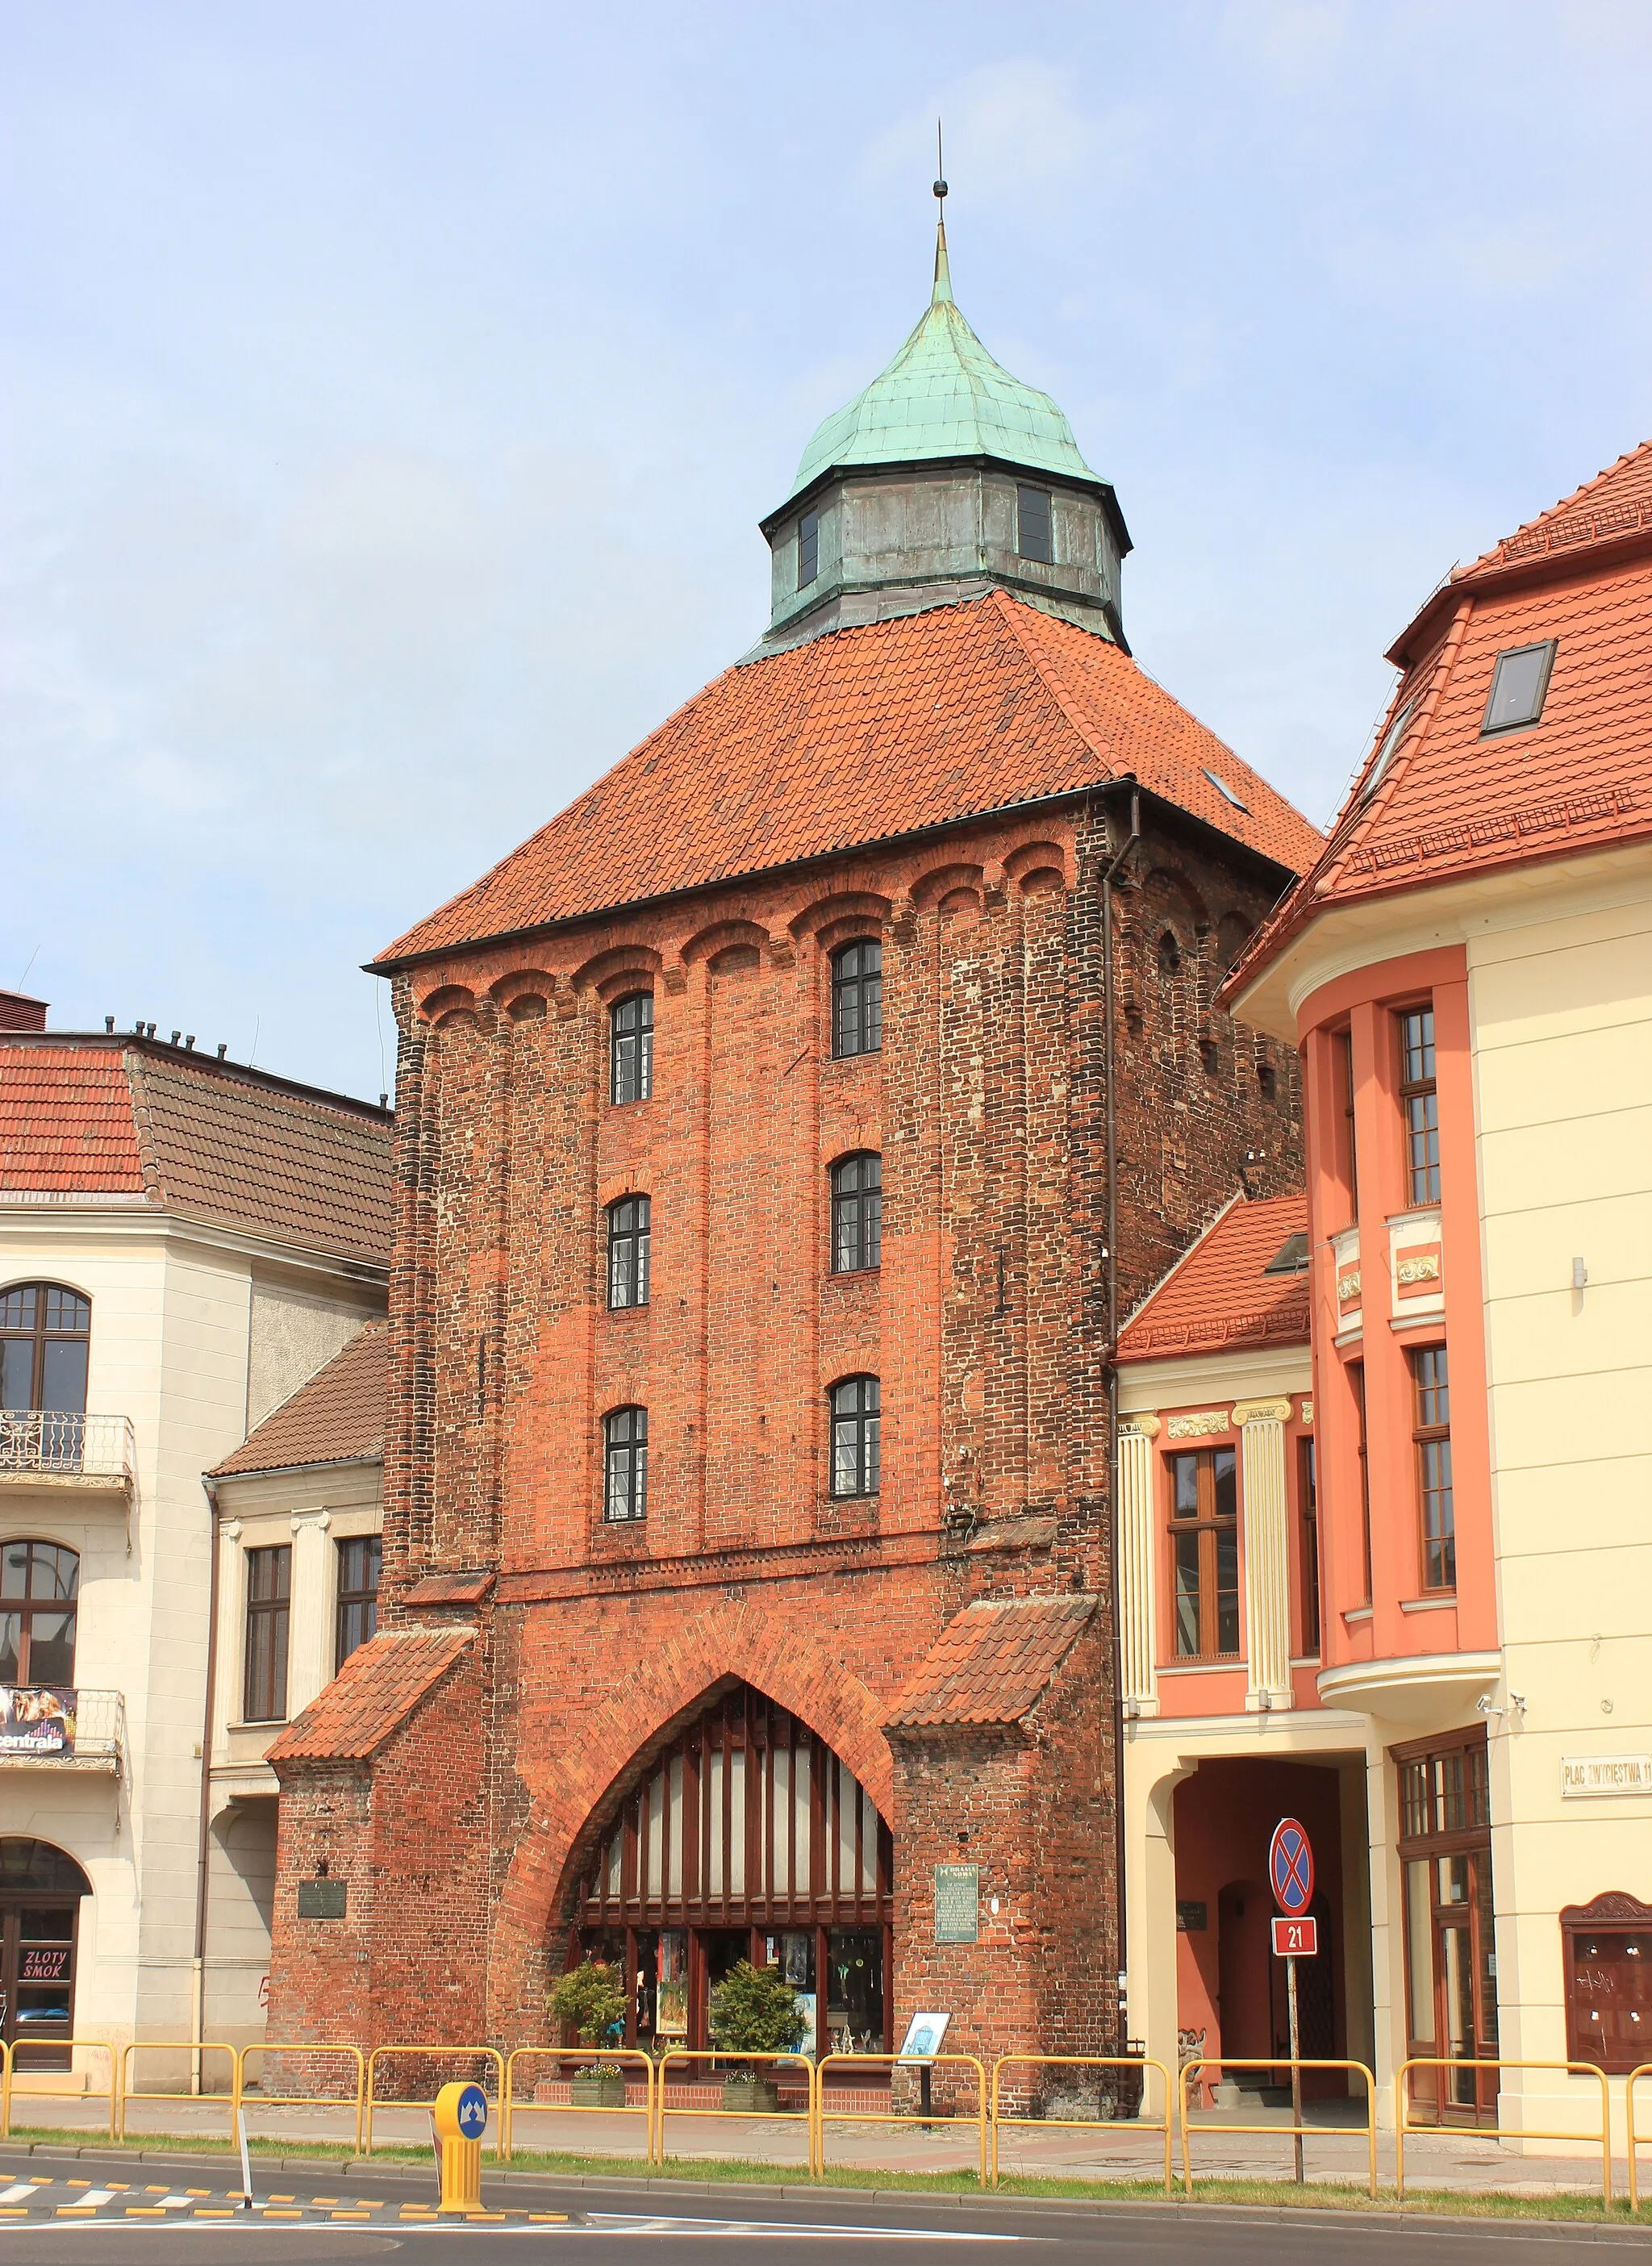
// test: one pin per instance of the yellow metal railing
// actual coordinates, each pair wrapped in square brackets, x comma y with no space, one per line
[893,2116]
[1293,2131]
[759,2063]
[1635,2144]
[194,2047]
[355,2101]
[1403,2123]
[586,2058]
[429,2053]
[996,2117]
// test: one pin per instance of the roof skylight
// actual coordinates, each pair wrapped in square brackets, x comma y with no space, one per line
[1292,1258]
[1518,685]
[1223,788]
[1391,738]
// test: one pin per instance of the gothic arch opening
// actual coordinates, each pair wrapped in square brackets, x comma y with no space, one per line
[743,1837]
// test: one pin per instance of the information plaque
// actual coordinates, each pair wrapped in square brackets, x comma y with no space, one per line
[957,1904]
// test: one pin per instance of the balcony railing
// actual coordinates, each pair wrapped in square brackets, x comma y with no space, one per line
[61,1727]
[59,1444]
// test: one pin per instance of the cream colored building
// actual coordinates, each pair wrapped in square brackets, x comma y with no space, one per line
[182,1242]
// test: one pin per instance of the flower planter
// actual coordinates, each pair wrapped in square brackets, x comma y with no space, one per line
[751,2096]
[590,2091]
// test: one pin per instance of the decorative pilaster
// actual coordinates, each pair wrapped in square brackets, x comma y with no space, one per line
[1137,1557]
[1267,1550]
[309,1619]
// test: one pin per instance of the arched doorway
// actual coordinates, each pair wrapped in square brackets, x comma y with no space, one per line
[745,1837]
[40,1889]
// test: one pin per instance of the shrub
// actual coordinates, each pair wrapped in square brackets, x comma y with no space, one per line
[755,2011]
[591,1998]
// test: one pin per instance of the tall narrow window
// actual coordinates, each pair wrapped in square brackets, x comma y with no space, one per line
[856,1213]
[1343,1044]
[858,998]
[1308,1498]
[269,1584]
[1032,524]
[625,1460]
[1357,1378]
[45,1336]
[40,1584]
[1432,1432]
[1420,1099]
[1205,1554]
[628,1241]
[630,1047]
[807,549]
[857,1436]
[360,1558]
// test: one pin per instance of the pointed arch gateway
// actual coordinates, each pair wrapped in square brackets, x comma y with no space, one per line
[743,1837]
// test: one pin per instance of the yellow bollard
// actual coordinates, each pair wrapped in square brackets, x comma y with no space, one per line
[460,2117]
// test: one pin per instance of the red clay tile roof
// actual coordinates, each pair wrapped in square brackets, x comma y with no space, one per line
[858,736]
[1615,503]
[372,1695]
[450,1589]
[992,1662]
[93,1115]
[1451,802]
[337,1418]
[1217,1296]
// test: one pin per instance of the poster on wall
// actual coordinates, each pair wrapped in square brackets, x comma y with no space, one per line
[36,1719]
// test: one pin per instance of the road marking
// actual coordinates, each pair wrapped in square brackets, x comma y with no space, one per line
[23,2192]
[618,2223]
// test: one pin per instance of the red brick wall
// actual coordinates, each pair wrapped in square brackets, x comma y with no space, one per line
[987,1325]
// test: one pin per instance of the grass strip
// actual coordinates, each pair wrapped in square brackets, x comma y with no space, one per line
[1437,2203]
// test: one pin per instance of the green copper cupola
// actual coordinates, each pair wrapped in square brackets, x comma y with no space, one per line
[944,477]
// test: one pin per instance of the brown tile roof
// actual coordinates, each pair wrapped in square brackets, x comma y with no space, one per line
[858,736]
[90,1115]
[1451,802]
[992,1662]
[372,1695]
[450,1589]
[1218,1296]
[337,1418]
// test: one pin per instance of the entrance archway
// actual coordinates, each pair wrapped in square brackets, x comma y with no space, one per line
[40,1889]
[744,1836]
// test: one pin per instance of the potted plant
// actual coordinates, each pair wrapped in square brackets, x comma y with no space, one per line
[590,2001]
[755,2011]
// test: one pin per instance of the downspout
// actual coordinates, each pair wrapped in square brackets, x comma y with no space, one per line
[1119,1850]
[198,2018]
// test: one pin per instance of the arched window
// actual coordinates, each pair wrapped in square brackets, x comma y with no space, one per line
[625,1464]
[858,998]
[45,1333]
[39,1583]
[40,1889]
[857,1443]
[630,1047]
[856,1213]
[628,1241]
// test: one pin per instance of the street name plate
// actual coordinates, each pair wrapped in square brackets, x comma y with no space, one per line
[1605,1775]
[957,1904]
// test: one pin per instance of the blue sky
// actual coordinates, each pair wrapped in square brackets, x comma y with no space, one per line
[390,394]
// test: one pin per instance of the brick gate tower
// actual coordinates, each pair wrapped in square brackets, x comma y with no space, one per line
[780,1131]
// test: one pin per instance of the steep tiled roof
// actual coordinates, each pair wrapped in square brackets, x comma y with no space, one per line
[1218,1295]
[90,1115]
[1452,801]
[992,1662]
[858,736]
[337,1418]
[372,1695]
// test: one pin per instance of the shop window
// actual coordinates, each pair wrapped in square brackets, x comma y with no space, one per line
[39,1585]
[1607,1952]
[807,549]
[631,1048]
[856,1213]
[857,1423]
[360,1558]
[629,1239]
[1449,1937]
[40,1889]
[625,1464]
[1205,1554]
[1032,525]
[269,1584]
[1420,1101]
[1308,1520]
[1431,1431]
[858,998]
[45,1339]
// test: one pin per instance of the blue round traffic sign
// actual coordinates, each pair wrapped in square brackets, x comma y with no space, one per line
[1291,1868]
[472,2112]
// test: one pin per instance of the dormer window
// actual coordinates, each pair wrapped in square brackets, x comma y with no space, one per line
[1032,525]
[1518,685]
[807,549]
